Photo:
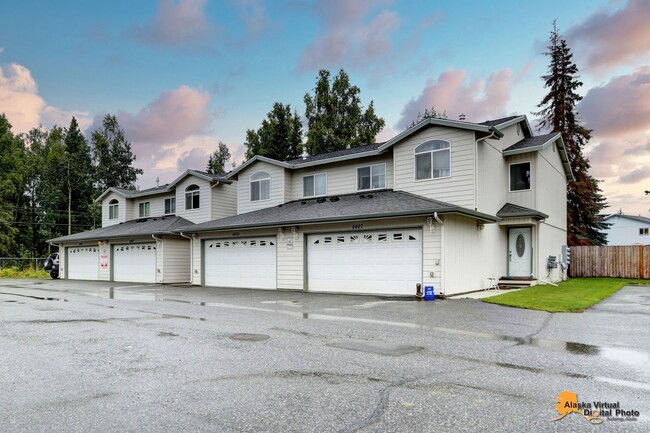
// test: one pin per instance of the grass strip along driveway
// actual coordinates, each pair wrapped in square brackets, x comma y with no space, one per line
[573,295]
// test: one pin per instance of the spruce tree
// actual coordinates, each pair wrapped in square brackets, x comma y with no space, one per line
[279,137]
[558,114]
[335,118]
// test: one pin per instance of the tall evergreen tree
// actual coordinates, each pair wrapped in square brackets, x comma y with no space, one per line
[113,157]
[558,113]
[218,160]
[335,118]
[11,180]
[279,137]
[79,178]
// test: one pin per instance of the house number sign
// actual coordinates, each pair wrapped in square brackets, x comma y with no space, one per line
[357,226]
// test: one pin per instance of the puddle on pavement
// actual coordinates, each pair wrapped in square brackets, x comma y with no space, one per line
[40,298]
[249,337]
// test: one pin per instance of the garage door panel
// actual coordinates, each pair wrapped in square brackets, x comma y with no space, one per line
[135,263]
[242,263]
[380,262]
[83,263]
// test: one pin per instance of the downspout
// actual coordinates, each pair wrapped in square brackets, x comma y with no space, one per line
[493,133]
[159,242]
[191,255]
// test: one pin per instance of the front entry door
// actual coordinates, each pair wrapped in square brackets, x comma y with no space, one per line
[520,252]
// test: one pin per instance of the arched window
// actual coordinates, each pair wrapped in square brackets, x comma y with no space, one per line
[433,160]
[260,186]
[113,209]
[192,197]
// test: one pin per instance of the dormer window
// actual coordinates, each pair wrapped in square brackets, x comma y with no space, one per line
[433,160]
[113,209]
[192,197]
[520,176]
[260,186]
[144,209]
[371,177]
[314,185]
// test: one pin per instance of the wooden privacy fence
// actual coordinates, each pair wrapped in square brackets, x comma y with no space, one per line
[615,262]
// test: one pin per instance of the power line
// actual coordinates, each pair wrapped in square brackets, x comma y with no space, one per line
[19,223]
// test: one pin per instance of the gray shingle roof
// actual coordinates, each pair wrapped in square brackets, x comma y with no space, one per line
[497,122]
[137,192]
[330,155]
[358,206]
[638,218]
[139,227]
[510,210]
[531,142]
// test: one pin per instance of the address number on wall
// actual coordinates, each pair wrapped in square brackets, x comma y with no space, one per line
[357,226]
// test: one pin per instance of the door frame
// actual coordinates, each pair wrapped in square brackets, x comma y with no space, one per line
[532,249]
[112,257]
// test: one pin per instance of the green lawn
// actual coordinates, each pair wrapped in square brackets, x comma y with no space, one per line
[573,295]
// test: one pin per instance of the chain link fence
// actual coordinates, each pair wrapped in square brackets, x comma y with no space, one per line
[22,263]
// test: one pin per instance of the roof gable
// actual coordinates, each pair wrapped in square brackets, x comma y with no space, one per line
[201,175]
[541,142]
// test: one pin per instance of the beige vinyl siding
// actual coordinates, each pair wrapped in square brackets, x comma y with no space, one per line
[523,198]
[290,263]
[457,189]
[289,176]
[511,135]
[175,260]
[341,176]
[551,195]
[204,212]
[492,184]
[549,243]
[224,200]
[121,210]
[156,205]
[244,203]
[471,256]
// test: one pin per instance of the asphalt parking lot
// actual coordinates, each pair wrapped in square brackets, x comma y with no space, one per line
[112,357]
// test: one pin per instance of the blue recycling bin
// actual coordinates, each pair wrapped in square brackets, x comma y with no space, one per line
[429,293]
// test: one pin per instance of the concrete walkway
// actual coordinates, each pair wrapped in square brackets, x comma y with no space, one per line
[482,294]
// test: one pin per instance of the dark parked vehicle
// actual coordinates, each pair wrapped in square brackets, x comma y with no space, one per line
[52,264]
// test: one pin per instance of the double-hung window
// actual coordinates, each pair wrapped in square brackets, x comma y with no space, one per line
[113,209]
[433,160]
[314,185]
[144,209]
[260,186]
[371,177]
[520,176]
[192,197]
[170,205]
[643,231]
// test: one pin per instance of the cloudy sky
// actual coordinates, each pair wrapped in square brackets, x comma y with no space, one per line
[182,75]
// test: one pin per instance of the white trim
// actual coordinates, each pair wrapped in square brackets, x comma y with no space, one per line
[530,179]
[146,207]
[250,186]
[415,174]
[370,166]
[117,206]
[197,191]
[314,176]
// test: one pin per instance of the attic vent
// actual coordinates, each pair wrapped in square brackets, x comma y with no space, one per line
[280,205]
[303,202]
[369,196]
[321,200]
[362,196]
[333,199]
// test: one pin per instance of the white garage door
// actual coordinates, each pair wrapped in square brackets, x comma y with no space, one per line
[135,263]
[245,263]
[380,262]
[82,263]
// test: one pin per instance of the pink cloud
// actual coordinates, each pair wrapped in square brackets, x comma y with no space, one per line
[609,38]
[620,107]
[636,176]
[346,39]
[173,116]
[24,107]
[450,92]
[195,159]
[176,23]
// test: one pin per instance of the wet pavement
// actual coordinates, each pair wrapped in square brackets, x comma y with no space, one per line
[88,356]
